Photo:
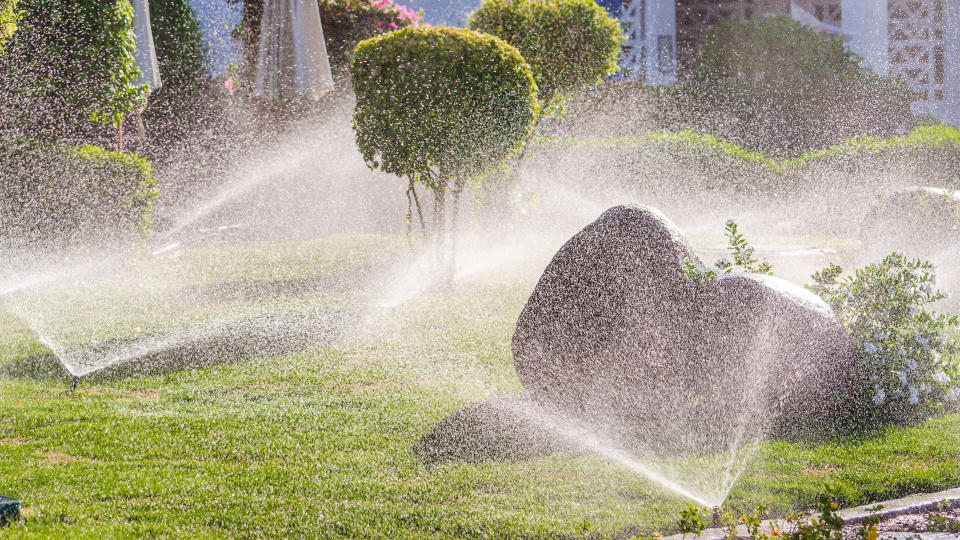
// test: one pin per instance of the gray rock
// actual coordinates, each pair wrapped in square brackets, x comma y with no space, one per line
[615,332]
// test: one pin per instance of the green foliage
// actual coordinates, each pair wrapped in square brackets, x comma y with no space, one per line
[693,520]
[70,62]
[568,43]
[743,260]
[904,349]
[175,107]
[9,14]
[440,103]
[775,84]
[52,192]
[928,151]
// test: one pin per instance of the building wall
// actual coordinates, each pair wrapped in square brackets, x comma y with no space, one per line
[917,41]
[650,48]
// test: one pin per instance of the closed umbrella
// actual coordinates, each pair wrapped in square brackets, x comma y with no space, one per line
[146,55]
[292,57]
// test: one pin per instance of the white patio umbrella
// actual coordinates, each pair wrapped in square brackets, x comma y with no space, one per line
[292,57]
[146,55]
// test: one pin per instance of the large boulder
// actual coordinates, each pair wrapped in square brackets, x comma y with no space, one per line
[615,331]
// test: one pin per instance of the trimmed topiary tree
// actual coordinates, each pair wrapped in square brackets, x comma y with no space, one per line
[441,106]
[71,62]
[568,43]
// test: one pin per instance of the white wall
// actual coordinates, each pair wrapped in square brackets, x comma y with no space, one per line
[951,112]
[866,22]
[661,42]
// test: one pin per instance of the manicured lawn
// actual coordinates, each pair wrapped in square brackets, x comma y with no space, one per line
[318,442]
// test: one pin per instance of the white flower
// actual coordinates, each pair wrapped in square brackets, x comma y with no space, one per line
[912,309]
[879,396]
[941,377]
[924,342]
[901,351]
[870,348]
[902,376]
[925,388]
[911,363]
[927,288]
[878,335]
[952,394]
[914,396]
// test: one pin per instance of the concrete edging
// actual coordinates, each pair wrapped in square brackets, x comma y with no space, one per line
[911,504]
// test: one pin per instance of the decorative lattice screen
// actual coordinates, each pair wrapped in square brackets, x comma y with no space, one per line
[633,54]
[916,30]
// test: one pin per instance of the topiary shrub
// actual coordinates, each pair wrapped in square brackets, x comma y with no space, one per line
[176,108]
[774,84]
[8,20]
[440,106]
[568,43]
[71,62]
[52,193]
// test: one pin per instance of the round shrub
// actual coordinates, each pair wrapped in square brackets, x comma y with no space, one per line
[54,193]
[775,84]
[568,43]
[70,62]
[440,103]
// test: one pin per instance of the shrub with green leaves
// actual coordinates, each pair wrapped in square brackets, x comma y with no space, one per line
[9,14]
[568,43]
[69,63]
[775,84]
[441,106]
[906,350]
[53,193]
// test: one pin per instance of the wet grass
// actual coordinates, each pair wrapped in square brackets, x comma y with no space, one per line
[318,442]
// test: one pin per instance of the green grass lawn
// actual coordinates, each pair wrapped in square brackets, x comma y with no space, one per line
[318,442]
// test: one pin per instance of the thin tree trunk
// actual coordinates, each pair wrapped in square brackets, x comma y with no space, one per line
[454,224]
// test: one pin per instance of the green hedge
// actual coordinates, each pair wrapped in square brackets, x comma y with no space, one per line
[931,152]
[70,62]
[568,43]
[55,193]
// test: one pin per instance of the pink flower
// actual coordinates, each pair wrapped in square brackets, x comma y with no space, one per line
[381,25]
[393,25]
[228,84]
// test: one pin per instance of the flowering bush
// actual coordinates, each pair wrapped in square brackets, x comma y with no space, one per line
[905,350]
[345,24]
[348,22]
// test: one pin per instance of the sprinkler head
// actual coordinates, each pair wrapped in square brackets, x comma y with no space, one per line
[9,510]
[73,385]
[717,517]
